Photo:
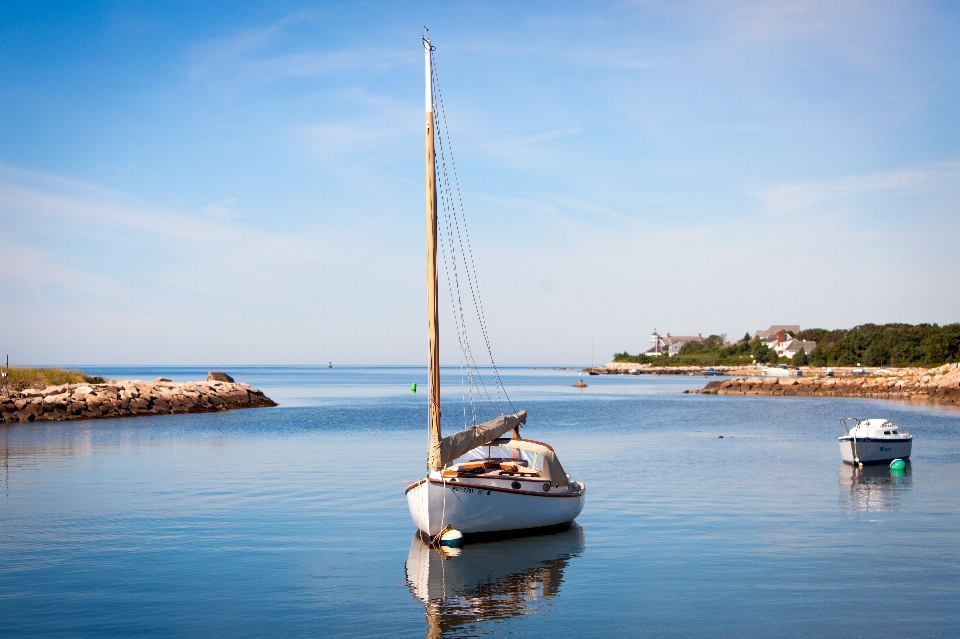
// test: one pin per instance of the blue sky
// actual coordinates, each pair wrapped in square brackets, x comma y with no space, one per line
[243,182]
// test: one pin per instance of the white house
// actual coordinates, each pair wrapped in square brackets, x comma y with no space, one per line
[669,345]
[771,332]
[786,345]
[676,342]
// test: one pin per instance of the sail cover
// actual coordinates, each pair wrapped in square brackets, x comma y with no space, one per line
[452,446]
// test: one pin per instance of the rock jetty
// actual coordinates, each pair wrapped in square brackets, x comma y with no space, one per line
[940,385]
[128,399]
[623,368]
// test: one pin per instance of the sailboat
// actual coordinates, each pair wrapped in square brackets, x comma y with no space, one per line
[485,478]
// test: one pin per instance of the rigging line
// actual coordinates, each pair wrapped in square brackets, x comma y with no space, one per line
[473,370]
[459,317]
[458,323]
[458,305]
[465,349]
[448,207]
[463,397]
[478,304]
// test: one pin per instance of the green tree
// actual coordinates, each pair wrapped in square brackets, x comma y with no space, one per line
[800,359]
[818,357]
[762,353]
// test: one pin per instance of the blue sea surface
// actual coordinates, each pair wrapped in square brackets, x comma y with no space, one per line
[292,521]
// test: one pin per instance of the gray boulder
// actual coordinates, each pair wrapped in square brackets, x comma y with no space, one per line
[218,376]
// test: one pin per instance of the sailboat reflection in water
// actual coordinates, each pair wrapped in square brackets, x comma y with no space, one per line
[482,583]
[873,488]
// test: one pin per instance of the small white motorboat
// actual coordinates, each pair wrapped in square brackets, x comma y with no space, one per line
[873,441]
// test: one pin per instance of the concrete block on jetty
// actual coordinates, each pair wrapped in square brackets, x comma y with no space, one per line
[128,399]
[939,385]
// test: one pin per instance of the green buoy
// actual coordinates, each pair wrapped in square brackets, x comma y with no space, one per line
[898,464]
[413,387]
[329,364]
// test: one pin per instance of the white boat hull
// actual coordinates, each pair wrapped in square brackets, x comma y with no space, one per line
[483,508]
[874,451]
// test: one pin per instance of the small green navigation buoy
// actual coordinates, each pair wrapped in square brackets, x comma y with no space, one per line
[329,364]
[413,387]
[898,464]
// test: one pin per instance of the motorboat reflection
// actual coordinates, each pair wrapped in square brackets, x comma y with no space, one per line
[465,588]
[873,488]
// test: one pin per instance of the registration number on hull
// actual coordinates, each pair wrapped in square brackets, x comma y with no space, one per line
[469,491]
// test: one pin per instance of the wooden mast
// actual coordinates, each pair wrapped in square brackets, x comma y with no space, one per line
[434,461]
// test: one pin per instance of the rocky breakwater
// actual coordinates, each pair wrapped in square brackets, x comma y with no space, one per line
[128,399]
[940,385]
[622,368]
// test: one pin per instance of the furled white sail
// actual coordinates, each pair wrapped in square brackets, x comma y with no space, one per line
[452,446]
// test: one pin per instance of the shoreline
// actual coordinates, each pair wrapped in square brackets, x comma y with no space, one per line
[128,398]
[939,385]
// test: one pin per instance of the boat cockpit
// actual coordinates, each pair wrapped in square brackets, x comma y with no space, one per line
[519,460]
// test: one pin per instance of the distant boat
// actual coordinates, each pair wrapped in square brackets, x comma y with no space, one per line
[711,373]
[781,371]
[873,441]
[477,480]
[592,373]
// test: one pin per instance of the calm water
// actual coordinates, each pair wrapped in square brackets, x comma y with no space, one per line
[292,521]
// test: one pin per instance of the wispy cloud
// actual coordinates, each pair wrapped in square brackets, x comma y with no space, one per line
[527,152]
[329,141]
[212,56]
[791,198]
[169,246]
[274,53]
[220,209]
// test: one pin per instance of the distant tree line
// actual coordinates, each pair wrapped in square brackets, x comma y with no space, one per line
[870,345]
[885,345]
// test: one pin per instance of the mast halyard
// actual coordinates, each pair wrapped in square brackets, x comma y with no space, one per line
[434,461]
